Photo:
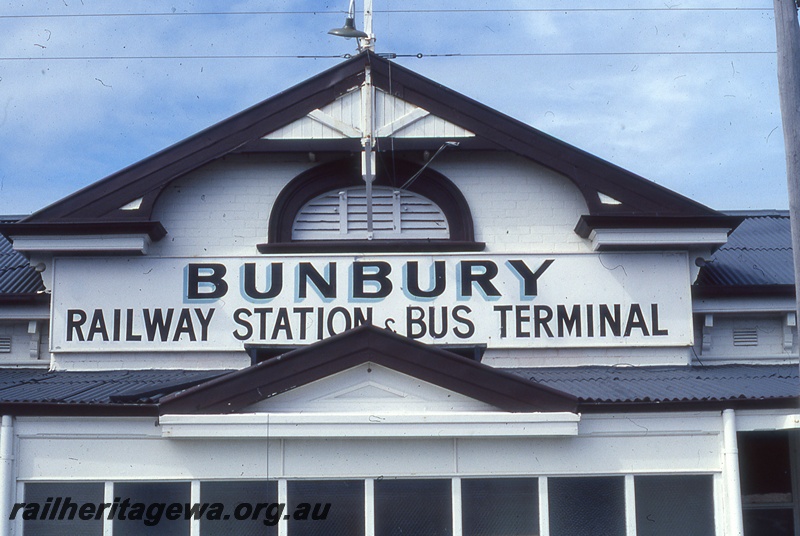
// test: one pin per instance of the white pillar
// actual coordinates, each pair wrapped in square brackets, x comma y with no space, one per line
[730,466]
[369,42]
[6,472]
[368,142]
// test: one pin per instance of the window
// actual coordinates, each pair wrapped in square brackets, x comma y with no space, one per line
[664,505]
[494,506]
[768,482]
[149,512]
[324,209]
[587,506]
[232,496]
[667,505]
[335,507]
[413,507]
[64,514]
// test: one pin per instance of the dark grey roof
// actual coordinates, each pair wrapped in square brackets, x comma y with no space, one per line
[758,253]
[628,384]
[621,385]
[17,278]
[20,386]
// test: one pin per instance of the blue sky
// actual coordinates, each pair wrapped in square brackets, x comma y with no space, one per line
[683,93]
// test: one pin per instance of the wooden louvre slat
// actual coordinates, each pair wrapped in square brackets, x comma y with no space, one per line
[395,215]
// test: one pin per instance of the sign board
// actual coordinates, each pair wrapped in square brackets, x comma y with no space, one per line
[504,301]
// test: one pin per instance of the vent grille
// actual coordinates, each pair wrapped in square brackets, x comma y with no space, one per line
[5,345]
[395,214]
[745,337]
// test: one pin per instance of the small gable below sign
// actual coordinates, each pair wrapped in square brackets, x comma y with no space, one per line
[379,388]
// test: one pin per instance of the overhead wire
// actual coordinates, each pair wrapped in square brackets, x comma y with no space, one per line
[376,11]
[419,55]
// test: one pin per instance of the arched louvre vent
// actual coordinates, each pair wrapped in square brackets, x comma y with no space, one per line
[342,215]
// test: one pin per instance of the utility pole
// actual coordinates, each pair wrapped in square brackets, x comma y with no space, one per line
[788,37]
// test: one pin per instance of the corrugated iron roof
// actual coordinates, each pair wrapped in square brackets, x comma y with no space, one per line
[628,384]
[591,385]
[17,277]
[758,252]
[107,387]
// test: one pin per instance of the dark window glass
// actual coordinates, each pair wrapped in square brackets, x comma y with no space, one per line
[413,507]
[766,476]
[151,508]
[765,470]
[250,506]
[769,522]
[326,508]
[500,507]
[67,508]
[587,506]
[670,505]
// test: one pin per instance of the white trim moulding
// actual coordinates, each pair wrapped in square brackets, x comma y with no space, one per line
[656,238]
[304,425]
[132,243]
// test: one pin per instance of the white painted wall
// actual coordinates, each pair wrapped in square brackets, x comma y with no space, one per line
[776,341]
[223,209]
[26,348]
[517,206]
[133,449]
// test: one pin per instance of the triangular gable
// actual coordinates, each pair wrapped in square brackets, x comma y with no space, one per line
[394,118]
[103,201]
[232,392]
[372,386]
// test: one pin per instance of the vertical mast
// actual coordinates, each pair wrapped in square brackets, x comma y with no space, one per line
[368,117]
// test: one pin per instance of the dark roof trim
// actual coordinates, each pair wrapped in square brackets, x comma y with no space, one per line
[587,224]
[103,199]
[262,352]
[153,229]
[39,297]
[592,175]
[234,391]
[65,409]
[688,405]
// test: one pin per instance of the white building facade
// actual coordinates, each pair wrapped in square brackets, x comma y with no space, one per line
[370,305]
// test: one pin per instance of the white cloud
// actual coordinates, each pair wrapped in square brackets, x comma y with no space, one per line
[703,125]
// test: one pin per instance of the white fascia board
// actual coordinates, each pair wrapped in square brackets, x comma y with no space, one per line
[761,420]
[745,304]
[26,312]
[657,238]
[352,425]
[125,243]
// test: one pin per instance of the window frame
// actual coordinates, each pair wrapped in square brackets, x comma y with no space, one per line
[342,174]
